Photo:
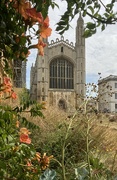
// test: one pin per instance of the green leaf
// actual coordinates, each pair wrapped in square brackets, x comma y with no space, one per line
[84,13]
[103,27]
[53,4]
[89,2]
[106,15]
[2,164]
[28,124]
[91,9]
[90,25]
[87,33]
[8,49]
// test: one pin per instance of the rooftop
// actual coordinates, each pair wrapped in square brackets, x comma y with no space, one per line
[108,78]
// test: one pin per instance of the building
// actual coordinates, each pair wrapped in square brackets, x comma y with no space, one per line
[19,73]
[17,68]
[58,77]
[108,94]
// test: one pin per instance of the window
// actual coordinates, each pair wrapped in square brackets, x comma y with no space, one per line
[42,78]
[61,49]
[81,65]
[115,106]
[115,95]
[62,104]
[61,74]
[115,85]
[43,98]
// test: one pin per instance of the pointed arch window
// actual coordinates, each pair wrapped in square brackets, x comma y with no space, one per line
[61,74]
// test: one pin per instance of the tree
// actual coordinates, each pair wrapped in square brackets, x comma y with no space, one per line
[100,13]
[16,18]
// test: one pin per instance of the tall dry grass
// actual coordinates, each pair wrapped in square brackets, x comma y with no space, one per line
[103,132]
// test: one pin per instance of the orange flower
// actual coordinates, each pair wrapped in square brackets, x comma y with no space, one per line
[7,81]
[7,89]
[24,131]
[21,6]
[24,138]
[29,164]
[13,95]
[7,86]
[45,160]
[17,124]
[19,38]
[34,15]
[45,31]
[38,156]
[39,46]
[25,55]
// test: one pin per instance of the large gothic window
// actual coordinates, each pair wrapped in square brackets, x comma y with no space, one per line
[61,74]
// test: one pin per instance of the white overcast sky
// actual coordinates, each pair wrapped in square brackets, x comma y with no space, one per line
[101,48]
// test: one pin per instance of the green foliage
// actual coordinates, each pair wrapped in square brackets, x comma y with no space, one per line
[14,154]
[24,96]
[12,25]
[43,7]
[93,9]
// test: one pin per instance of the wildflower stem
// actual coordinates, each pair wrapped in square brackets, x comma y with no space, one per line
[87,148]
[57,161]
[64,144]
[113,163]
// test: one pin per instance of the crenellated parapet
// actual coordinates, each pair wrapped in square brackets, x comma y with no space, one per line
[61,41]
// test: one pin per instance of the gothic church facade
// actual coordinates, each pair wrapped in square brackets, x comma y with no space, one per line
[58,77]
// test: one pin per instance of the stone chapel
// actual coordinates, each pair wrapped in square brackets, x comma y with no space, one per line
[58,77]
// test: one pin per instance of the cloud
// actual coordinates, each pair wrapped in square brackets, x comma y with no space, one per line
[101,55]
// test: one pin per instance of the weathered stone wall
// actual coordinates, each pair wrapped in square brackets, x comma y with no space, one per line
[69,98]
